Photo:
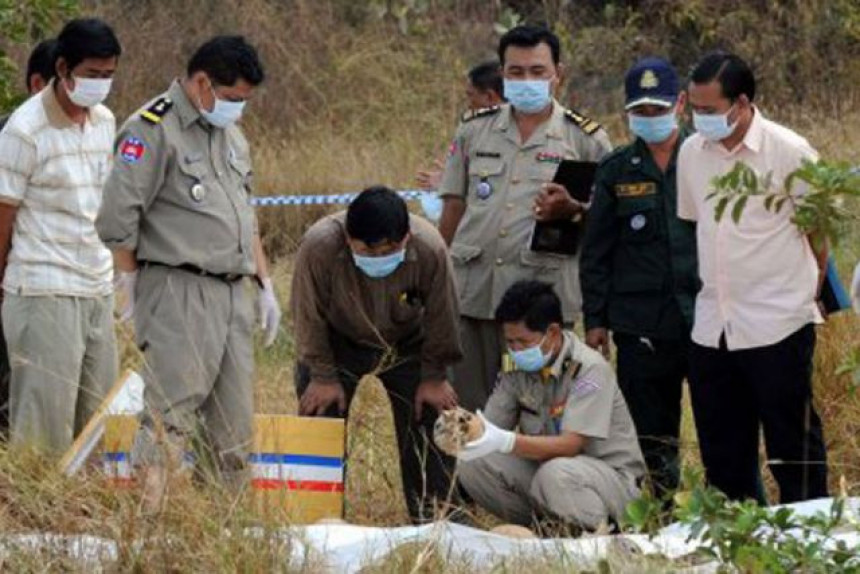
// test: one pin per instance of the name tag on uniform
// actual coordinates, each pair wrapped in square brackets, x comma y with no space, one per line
[493,154]
[640,189]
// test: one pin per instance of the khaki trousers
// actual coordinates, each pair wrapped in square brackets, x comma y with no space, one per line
[579,490]
[63,361]
[195,333]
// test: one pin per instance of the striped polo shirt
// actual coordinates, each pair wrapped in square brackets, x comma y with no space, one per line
[53,170]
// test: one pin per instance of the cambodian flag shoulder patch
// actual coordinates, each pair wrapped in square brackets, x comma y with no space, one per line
[132,150]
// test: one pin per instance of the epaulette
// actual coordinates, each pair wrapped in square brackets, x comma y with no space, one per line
[508,365]
[474,114]
[586,124]
[154,113]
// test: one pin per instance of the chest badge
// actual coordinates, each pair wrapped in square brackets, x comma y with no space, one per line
[197,192]
[638,222]
[484,190]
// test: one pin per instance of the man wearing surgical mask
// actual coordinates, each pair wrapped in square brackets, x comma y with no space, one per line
[558,439]
[373,293]
[497,185]
[186,245]
[753,338]
[55,154]
[638,269]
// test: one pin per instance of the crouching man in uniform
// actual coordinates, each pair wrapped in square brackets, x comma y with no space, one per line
[576,456]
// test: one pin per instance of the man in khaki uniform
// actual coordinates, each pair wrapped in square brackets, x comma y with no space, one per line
[496,186]
[576,456]
[373,293]
[177,216]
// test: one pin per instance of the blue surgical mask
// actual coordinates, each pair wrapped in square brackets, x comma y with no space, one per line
[379,266]
[224,112]
[714,127]
[531,359]
[529,96]
[654,129]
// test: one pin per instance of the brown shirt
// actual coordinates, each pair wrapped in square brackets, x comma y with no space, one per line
[416,302]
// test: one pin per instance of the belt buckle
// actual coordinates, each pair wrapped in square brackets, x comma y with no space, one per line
[232,277]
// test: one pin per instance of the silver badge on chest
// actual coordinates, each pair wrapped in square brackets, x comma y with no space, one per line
[484,190]
[638,222]
[197,192]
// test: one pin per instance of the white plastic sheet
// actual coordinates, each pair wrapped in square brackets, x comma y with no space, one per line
[345,548]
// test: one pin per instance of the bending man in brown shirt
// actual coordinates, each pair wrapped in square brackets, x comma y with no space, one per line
[373,293]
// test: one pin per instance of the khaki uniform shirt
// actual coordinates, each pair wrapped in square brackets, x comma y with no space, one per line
[179,191]
[499,178]
[417,302]
[579,394]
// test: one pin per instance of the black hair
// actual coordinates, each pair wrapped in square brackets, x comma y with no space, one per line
[529,37]
[487,76]
[226,59]
[733,73]
[532,302]
[376,215]
[41,61]
[86,38]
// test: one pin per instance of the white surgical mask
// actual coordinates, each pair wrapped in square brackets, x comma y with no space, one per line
[714,127]
[224,112]
[89,92]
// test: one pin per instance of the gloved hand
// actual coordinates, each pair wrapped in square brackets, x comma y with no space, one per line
[123,284]
[493,440]
[270,311]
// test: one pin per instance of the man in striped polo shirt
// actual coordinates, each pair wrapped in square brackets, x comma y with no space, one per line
[55,153]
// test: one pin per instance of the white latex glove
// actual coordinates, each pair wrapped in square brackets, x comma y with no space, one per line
[855,290]
[493,440]
[123,284]
[270,311]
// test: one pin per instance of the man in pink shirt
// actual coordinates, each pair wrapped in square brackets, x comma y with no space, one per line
[753,333]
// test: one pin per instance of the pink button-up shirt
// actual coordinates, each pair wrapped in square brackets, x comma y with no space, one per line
[760,275]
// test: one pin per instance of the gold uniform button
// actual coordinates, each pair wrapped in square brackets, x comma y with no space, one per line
[515,180]
[510,206]
[499,261]
[503,233]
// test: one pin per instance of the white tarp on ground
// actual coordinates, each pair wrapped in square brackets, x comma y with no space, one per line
[346,548]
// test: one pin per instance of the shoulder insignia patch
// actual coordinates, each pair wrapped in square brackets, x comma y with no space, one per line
[583,386]
[508,365]
[154,113]
[586,124]
[483,112]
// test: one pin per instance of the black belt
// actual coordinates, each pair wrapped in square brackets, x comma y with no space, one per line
[226,277]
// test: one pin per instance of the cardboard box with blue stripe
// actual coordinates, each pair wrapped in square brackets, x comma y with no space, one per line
[297,466]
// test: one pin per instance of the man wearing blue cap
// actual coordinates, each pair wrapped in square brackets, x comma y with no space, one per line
[638,269]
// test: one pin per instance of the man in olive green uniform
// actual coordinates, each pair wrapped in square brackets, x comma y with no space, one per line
[576,456]
[177,215]
[638,270]
[373,294]
[496,186]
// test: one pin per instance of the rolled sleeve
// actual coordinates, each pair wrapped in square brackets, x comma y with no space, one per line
[501,408]
[132,184]
[455,181]
[589,407]
[17,162]
[686,194]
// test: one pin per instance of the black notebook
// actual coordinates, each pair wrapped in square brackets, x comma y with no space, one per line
[562,237]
